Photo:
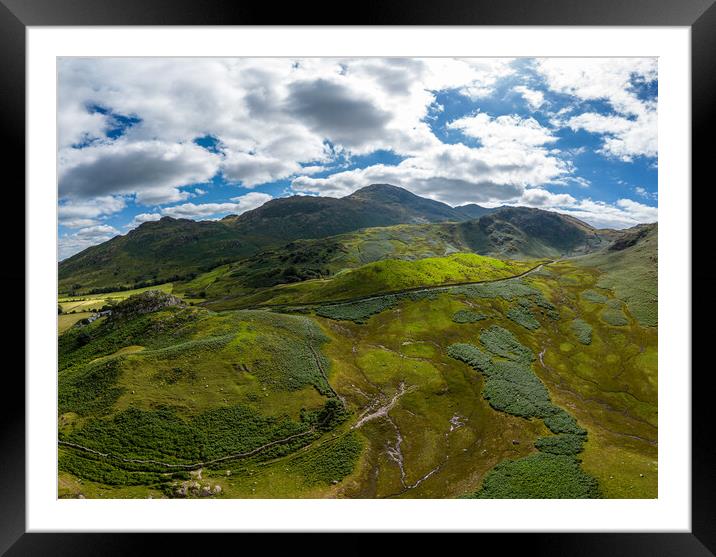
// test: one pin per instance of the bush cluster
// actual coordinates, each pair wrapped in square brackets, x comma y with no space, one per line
[331,462]
[594,297]
[523,316]
[164,436]
[502,342]
[467,316]
[539,476]
[614,317]
[564,443]
[582,330]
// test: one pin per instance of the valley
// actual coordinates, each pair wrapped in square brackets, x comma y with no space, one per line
[380,345]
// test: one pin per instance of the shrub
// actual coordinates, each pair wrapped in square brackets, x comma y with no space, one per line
[523,316]
[614,317]
[539,476]
[594,297]
[331,462]
[357,311]
[467,316]
[503,343]
[91,389]
[563,422]
[582,330]
[565,444]
[510,387]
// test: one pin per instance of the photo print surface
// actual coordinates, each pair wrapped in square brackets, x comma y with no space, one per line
[357,278]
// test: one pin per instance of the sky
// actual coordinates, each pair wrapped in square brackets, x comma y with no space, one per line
[201,138]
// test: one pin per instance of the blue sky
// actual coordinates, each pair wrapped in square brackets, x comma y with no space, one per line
[202,138]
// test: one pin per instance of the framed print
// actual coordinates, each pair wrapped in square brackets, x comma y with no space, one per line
[427,272]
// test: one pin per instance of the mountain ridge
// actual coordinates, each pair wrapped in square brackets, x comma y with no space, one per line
[173,249]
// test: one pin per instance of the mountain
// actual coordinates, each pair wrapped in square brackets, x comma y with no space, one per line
[522,232]
[173,249]
[155,252]
[474,211]
[180,249]
[510,232]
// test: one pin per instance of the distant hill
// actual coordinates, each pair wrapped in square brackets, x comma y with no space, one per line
[181,249]
[172,249]
[519,232]
[510,232]
[473,211]
[154,252]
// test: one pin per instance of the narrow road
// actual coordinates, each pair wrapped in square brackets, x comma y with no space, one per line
[415,289]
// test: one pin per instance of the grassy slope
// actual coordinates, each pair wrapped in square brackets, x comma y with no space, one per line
[256,372]
[155,252]
[307,259]
[632,273]
[514,233]
[450,437]
[384,276]
[609,386]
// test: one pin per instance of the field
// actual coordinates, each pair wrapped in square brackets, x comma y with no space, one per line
[94,302]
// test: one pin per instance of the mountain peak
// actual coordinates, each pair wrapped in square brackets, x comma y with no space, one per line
[374,191]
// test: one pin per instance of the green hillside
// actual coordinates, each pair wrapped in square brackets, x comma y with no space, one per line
[508,233]
[509,356]
[630,268]
[172,250]
[390,275]
[235,399]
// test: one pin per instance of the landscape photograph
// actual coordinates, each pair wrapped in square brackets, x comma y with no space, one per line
[357,278]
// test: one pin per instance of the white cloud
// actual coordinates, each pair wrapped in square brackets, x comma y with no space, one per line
[142,218]
[632,130]
[71,211]
[622,214]
[507,130]
[539,197]
[624,138]
[69,244]
[454,174]
[511,158]
[201,211]
[646,194]
[252,170]
[288,119]
[534,98]
[78,223]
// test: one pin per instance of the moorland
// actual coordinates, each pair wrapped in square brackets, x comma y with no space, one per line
[380,345]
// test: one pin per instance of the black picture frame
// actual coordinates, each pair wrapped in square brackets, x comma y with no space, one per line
[17,15]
